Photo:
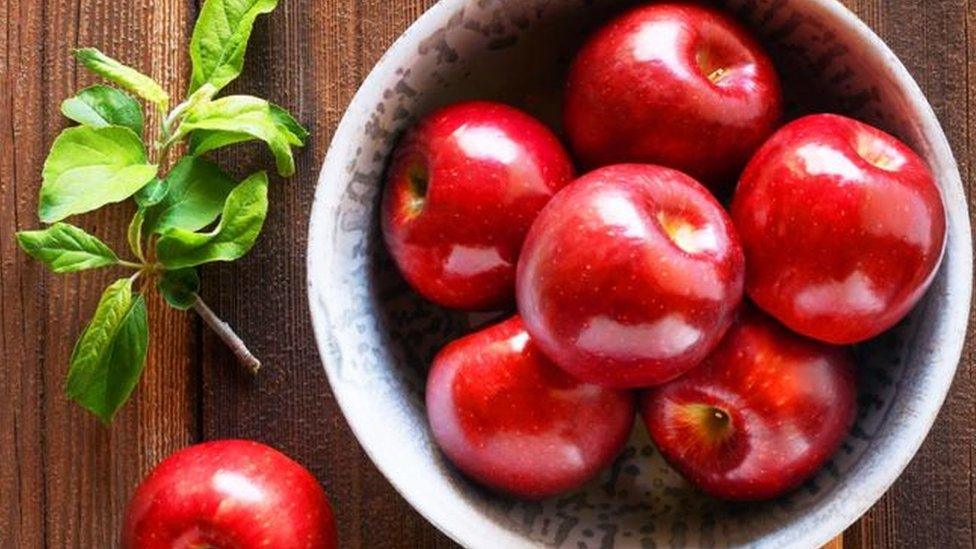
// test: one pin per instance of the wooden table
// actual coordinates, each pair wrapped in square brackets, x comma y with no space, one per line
[64,479]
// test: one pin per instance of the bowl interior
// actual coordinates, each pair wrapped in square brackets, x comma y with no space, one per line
[377,337]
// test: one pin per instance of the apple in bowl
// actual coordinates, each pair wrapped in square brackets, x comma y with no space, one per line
[763,411]
[680,85]
[630,275]
[513,421]
[463,187]
[843,228]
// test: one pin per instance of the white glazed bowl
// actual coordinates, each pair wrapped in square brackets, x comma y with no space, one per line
[376,337]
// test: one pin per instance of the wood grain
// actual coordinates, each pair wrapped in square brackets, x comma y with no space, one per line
[64,479]
[69,476]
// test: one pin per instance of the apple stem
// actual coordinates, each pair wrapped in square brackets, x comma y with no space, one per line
[718,74]
[228,336]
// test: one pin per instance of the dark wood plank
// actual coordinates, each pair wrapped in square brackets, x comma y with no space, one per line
[71,477]
[21,307]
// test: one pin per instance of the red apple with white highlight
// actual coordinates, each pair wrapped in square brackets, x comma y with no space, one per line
[763,412]
[630,276]
[513,421]
[842,225]
[675,84]
[462,190]
[229,493]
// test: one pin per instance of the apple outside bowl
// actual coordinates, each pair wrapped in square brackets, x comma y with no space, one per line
[377,338]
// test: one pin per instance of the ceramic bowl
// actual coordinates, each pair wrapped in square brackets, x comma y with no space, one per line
[376,338]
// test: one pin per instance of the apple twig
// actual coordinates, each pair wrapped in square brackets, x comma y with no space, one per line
[227,335]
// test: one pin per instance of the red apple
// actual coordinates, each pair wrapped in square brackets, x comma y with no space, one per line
[463,188]
[630,276]
[762,413]
[842,225]
[679,85]
[229,493]
[513,421]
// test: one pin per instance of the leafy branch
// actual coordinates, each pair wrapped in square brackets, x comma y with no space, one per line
[185,217]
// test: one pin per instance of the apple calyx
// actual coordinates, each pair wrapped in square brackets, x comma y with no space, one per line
[714,424]
[717,75]
[417,182]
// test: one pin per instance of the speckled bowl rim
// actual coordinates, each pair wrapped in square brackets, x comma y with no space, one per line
[823,521]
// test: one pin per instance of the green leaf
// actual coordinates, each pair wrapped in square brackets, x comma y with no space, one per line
[220,39]
[127,77]
[152,193]
[179,288]
[240,223]
[197,190]
[90,167]
[286,120]
[202,141]
[134,233]
[101,106]
[110,354]
[237,118]
[65,248]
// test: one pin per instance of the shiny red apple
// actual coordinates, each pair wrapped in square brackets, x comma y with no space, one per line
[229,493]
[630,275]
[842,225]
[761,414]
[511,420]
[675,84]
[463,188]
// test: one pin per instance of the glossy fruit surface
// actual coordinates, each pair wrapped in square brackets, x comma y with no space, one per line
[675,84]
[463,188]
[761,414]
[630,276]
[229,494]
[511,420]
[842,225]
